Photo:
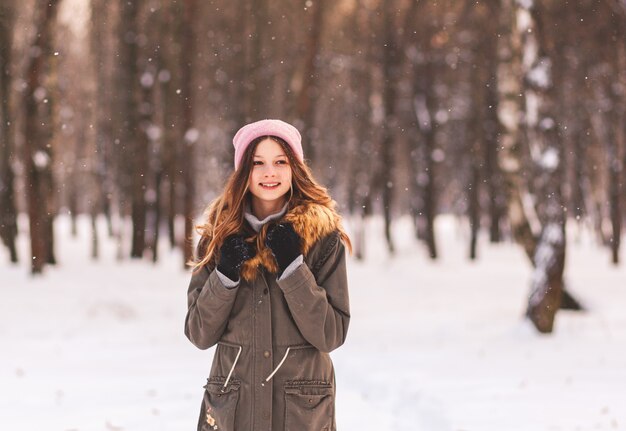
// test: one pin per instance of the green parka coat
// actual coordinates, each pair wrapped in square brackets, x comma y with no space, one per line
[271,370]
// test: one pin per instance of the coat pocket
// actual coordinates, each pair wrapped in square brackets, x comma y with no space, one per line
[309,406]
[219,405]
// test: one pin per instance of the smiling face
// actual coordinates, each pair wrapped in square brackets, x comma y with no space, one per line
[270,178]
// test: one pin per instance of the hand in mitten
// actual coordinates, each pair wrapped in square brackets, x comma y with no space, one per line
[284,243]
[233,253]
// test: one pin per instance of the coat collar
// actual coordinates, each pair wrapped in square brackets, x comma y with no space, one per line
[311,221]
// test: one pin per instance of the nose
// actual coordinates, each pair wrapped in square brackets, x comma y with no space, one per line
[270,171]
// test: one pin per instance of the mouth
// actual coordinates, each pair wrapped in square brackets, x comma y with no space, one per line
[269,186]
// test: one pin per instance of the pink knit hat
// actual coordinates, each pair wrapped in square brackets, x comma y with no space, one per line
[250,132]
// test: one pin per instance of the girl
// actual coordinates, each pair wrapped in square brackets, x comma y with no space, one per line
[270,289]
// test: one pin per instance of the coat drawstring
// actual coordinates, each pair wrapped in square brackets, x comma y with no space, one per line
[230,373]
[279,365]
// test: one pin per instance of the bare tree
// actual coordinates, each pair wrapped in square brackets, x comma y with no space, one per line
[425,105]
[256,80]
[170,106]
[490,124]
[187,92]
[8,212]
[476,137]
[38,133]
[390,74]
[361,139]
[305,105]
[134,152]
[616,144]
[100,41]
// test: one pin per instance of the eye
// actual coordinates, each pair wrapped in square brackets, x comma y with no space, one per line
[257,162]
[283,162]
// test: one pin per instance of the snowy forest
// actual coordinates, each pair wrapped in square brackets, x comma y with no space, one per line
[509,114]
[504,117]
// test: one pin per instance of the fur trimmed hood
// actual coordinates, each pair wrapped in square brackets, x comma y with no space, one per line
[310,220]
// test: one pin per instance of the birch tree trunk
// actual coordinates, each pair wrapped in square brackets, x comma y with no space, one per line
[541,127]
[524,221]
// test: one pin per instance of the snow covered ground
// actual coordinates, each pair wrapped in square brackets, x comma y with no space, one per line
[432,346]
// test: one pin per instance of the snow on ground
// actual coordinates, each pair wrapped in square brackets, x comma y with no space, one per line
[432,346]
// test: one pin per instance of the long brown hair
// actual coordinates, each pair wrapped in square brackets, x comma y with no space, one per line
[225,214]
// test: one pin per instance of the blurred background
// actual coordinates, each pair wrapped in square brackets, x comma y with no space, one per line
[465,142]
